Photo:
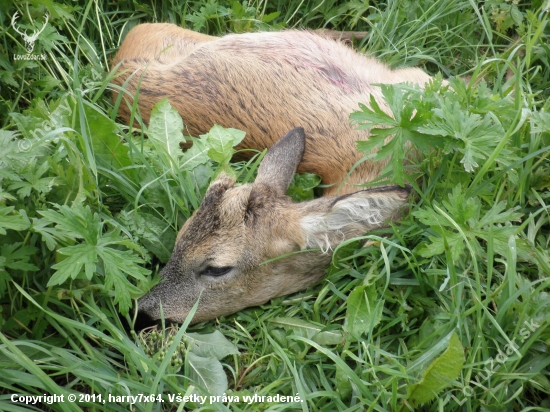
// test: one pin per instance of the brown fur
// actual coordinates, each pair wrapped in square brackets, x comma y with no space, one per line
[264,84]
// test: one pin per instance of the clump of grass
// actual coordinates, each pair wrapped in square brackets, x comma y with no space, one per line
[470,260]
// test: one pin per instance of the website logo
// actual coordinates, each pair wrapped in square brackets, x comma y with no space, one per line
[28,39]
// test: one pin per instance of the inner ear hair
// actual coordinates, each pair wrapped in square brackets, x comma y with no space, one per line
[326,224]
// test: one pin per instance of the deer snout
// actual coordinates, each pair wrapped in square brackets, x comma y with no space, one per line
[143,320]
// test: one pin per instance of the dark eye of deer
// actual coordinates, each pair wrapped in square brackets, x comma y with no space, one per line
[216,271]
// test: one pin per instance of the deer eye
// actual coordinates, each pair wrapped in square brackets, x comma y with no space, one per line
[216,271]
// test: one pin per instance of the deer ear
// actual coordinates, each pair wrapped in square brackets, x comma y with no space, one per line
[281,160]
[326,223]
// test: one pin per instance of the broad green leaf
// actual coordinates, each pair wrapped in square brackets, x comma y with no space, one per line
[165,129]
[439,375]
[465,213]
[309,330]
[195,156]
[108,147]
[221,142]
[50,235]
[4,196]
[118,284]
[47,84]
[124,261]
[238,10]
[39,120]
[77,222]
[369,117]
[207,12]
[12,154]
[207,373]
[58,10]
[14,257]
[78,256]
[516,14]
[329,337]
[302,185]
[118,265]
[343,383]
[499,214]
[16,221]
[32,180]
[31,123]
[266,18]
[50,38]
[213,344]
[472,135]
[17,256]
[6,76]
[540,122]
[408,112]
[280,336]
[298,326]
[455,242]
[364,310]
[152,232]
[18,158]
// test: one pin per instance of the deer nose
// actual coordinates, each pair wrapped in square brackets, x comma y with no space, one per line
[143,320]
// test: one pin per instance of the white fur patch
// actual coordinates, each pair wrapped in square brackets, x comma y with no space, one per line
[349,217]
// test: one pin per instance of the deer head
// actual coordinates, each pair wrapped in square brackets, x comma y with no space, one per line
[250,243]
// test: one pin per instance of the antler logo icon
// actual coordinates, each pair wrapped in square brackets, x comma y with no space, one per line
[29,40]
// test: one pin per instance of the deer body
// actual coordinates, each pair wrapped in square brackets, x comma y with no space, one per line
[265,84]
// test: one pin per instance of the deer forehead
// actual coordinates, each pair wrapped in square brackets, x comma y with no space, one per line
[233,206]
[246,220]
[219,218]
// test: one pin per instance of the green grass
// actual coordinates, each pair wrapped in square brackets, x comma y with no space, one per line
[446,310]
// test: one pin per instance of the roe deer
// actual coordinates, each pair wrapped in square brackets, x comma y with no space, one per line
[265,84]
